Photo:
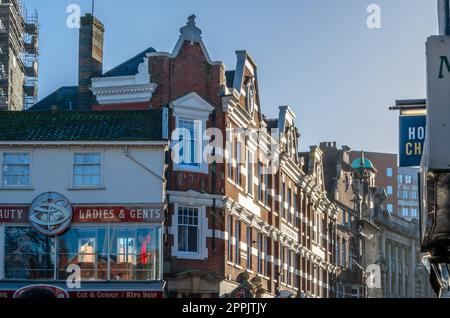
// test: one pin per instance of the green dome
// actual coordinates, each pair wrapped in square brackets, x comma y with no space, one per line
[356,164]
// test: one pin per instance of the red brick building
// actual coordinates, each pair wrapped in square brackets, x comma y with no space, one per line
[254,220]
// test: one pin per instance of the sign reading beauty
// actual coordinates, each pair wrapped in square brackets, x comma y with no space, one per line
[10,214]
[118,214]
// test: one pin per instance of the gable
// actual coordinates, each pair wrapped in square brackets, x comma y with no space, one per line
[192,105]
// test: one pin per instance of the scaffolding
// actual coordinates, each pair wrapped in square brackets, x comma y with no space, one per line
[19,56]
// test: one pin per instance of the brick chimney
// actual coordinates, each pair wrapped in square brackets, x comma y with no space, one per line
[90,58]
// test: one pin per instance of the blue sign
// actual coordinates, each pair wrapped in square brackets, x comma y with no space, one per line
[412,140]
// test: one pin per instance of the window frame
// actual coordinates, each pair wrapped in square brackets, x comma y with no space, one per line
[30,165]
[105,226]
[73,186]
[202,230]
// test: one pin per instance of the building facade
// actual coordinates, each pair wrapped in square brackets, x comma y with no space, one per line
[247,217]
[82,200]
[386,177]
[19,52]
[408,193]
[339,175]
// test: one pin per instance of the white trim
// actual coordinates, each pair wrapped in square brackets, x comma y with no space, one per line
[125,89]
[194,108]
[202,231]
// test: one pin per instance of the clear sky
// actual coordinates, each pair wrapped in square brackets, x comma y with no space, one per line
[318,56]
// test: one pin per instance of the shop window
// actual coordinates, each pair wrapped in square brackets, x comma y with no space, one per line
[86,248]
[16,169]
[116,254]
[87,170]
[28,255]
[135,254]
[188,230]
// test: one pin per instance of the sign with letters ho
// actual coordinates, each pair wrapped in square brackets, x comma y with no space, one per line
[412,139]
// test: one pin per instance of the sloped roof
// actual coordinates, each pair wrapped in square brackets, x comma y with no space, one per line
[129,67]
[65,98]
[145,125]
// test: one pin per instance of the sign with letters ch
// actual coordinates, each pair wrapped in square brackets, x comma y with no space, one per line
[412,139]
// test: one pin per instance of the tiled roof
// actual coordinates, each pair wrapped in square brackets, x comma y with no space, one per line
[127,125]
[129,67]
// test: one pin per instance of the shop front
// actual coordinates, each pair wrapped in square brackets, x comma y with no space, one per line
[57,248]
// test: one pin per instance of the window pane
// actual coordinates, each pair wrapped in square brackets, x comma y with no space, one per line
[135,254]
[87,248]
[28,255]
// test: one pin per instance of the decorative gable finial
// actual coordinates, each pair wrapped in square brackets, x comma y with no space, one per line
[191,32]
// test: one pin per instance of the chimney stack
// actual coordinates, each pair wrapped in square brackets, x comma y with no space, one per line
[90,59]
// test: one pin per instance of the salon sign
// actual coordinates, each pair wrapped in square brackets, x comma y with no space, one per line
[51,214]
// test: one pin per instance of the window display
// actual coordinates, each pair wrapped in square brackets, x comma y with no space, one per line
[102,253]
[28,255]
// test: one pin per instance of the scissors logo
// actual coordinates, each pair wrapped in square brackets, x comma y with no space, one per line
[51,214]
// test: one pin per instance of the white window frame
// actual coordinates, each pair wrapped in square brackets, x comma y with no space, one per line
[202,232]
[192,107]
[102,169]
[30,177]
[200,146]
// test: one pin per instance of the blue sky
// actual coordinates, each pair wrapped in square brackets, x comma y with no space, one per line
[318,56]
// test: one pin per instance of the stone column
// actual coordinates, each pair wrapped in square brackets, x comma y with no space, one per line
[412,269]
[397,287]
[403,272]
[389,276]
[383,275]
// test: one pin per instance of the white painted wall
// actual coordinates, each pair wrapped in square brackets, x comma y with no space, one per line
[124,181]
